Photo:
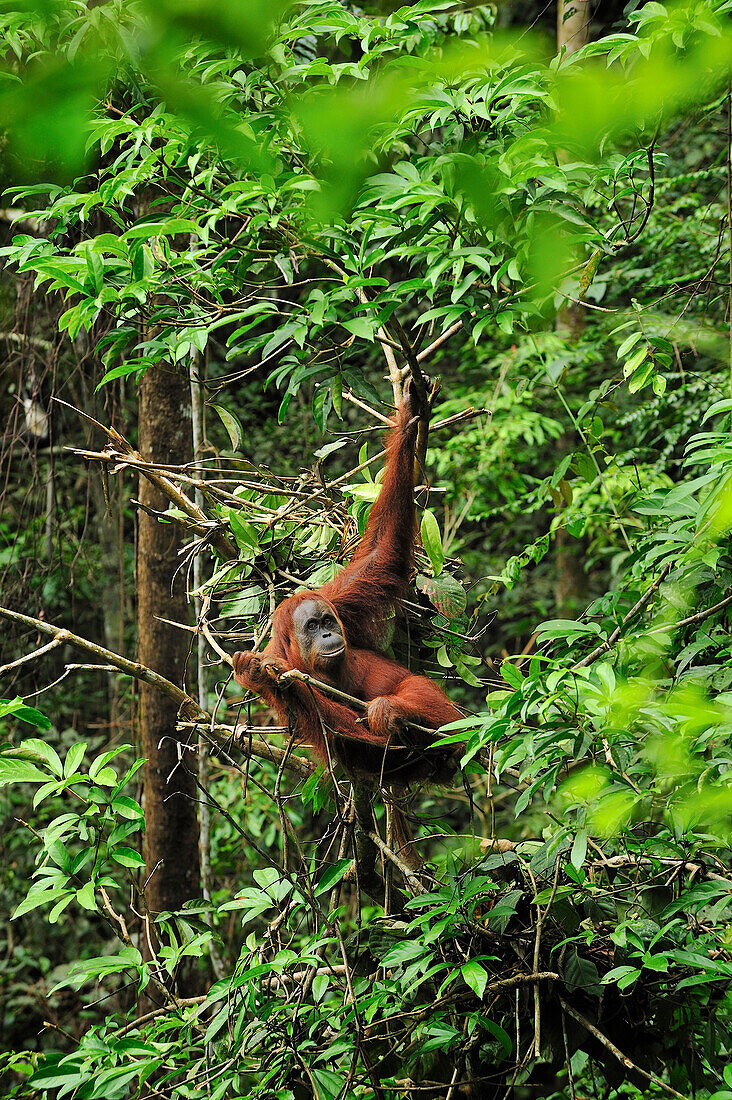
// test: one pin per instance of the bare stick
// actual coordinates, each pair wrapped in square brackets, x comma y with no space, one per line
[698,617]
[693,866]
[126,456]
[32,656]
[386,341]
[343,697]
[122,452]
[366,408]
[189,710]
[427,352]
[623,1058]
[633,611]
[409,875]
[132,668]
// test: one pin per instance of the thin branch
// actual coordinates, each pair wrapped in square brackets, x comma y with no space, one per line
[459,418]
[349,396]
[427,352]
[348,700]
[387,342]
[693,866]
[119,457]
[32,656]
[593,458]
[189,711]
[649,201]
[696,618]
[132,668]
[409,875]
[122,452]
[637,606]
[540,918]
[623,1058]
[517,980]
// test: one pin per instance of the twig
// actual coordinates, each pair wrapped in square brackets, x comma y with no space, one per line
[387,342]
[121,451]
[623,1058]
[348,700]
[459,418]
[426,352]
[694,866]
[189,711]
[593,458]
[366,408]
[161,1010]
[540,918]
[517,980]
[132,668]
[32,656]
[409,875]
[124,455]
[633,611]
[117,922]
[698,617]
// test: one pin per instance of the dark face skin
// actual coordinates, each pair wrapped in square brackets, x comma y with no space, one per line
[319,635]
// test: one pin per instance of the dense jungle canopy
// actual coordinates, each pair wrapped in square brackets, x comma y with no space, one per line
[233,234]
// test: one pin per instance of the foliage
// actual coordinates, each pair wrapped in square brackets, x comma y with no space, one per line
[281,196]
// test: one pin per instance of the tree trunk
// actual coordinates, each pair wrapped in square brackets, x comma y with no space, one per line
[170,799]
[570,583]
[573,24]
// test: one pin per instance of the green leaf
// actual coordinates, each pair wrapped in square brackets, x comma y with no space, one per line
[245,534]
[35,747]
[85,897]
[628,344]
[102,760]
[14,770]
[581,974]
[320,987]
[641,377]
[361,327]
[127,857]
[635,361]
[233,426]
[59,907]
[332,876]
[327,1084]
[73,758]
[432,541]
[16,708]
[512,675]
[38,895]
[579,849]
[106,777]
[585,467]
[564,628]
[127,807]
[475,977]
[83,971]
[403,952]
[95,265]
[619,972]
[329,448]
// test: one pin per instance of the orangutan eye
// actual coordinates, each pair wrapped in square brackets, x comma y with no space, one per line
[311,625]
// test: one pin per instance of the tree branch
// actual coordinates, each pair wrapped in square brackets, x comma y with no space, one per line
[618,1053]
[121,452]
[190,713]
[633,611]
